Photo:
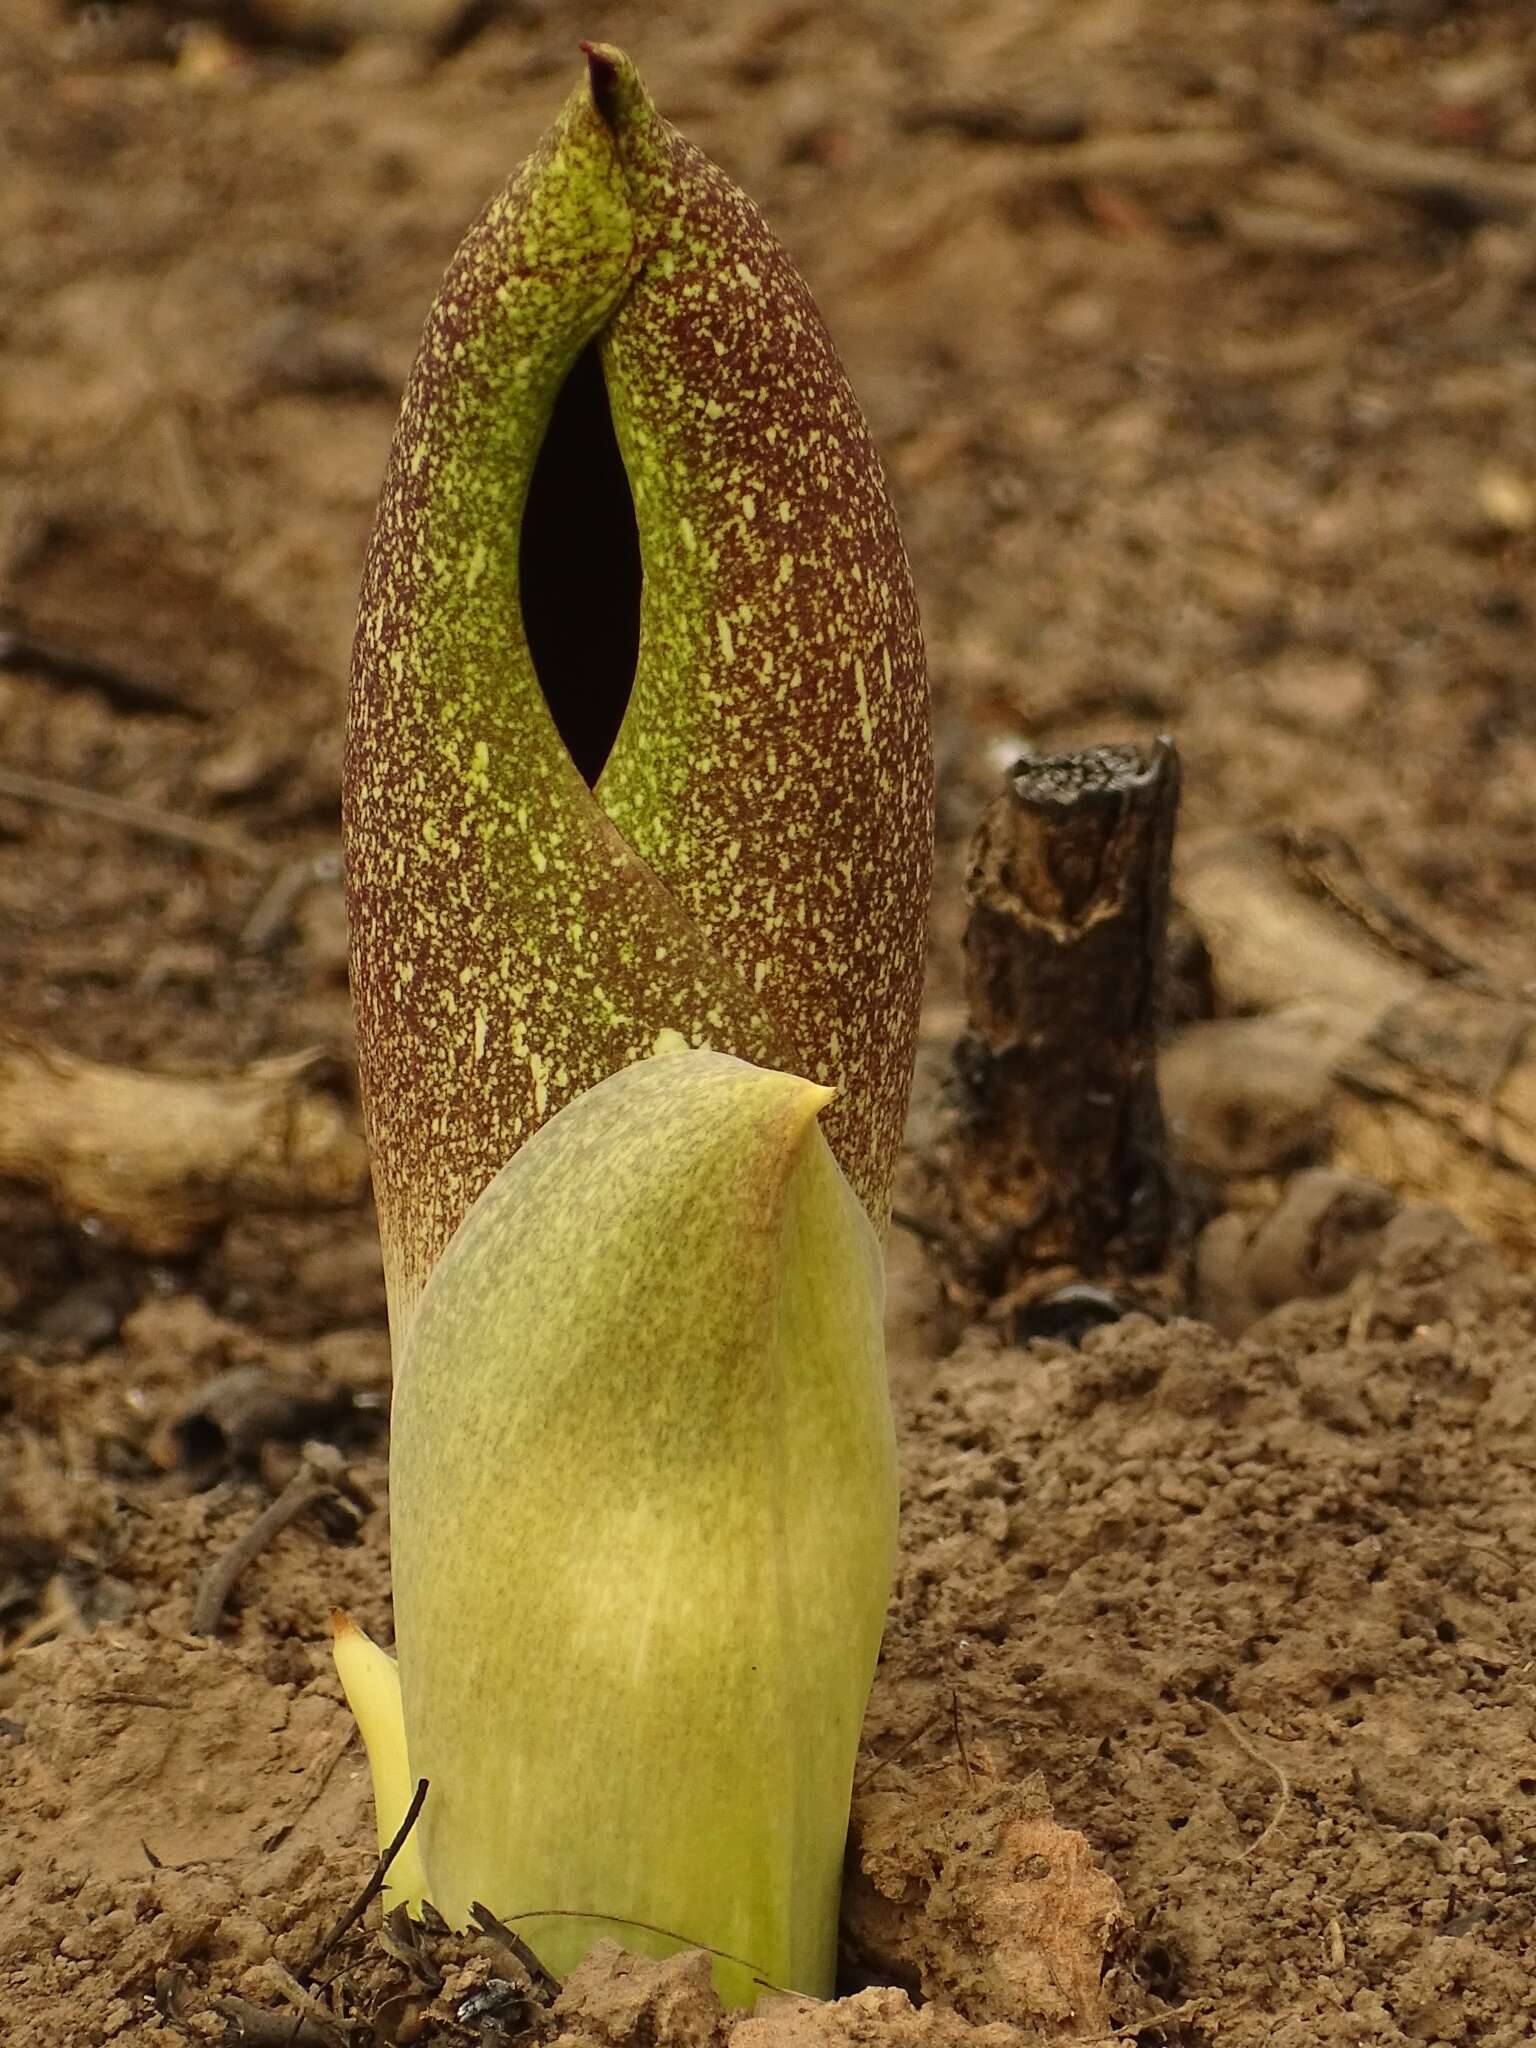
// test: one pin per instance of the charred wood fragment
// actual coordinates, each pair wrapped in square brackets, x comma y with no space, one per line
[1052,1171]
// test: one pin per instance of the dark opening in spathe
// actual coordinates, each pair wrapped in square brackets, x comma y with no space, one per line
[579,568]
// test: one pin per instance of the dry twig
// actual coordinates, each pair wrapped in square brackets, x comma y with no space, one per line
[315,1479]
[256,2027]
[540,1976]
[143,818]
[1136,159]
[375,1884]
[1483,189]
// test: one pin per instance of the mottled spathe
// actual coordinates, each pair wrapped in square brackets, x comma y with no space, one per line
[752,867]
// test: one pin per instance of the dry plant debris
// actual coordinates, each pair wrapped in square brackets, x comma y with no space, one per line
[158,1160]
[1360,1042]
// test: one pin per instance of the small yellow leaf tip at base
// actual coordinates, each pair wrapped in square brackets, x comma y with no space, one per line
[370,1680]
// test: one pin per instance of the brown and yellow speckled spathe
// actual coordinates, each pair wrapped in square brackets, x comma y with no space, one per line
[752,867]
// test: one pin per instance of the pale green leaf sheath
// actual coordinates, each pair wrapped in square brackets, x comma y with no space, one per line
[752,867]
[643,1503]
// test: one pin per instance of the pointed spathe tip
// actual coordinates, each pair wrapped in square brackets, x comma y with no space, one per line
[617,91]
[605,72]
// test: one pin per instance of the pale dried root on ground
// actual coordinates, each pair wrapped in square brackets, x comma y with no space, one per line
[158,1161]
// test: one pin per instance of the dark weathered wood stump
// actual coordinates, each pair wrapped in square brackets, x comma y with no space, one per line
[1052,1172]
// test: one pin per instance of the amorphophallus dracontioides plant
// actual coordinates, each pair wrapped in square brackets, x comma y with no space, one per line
[638,758]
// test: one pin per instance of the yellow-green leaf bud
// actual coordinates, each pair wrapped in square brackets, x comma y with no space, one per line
[643,1507]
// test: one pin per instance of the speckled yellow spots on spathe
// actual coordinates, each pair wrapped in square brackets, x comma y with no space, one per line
[752,867]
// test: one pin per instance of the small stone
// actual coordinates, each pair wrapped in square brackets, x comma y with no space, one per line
[1505,500]
[243,765]
[1323,693]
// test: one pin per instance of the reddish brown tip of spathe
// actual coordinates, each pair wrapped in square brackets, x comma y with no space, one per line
[603,76]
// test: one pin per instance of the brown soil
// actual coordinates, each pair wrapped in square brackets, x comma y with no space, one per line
[1197,423]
